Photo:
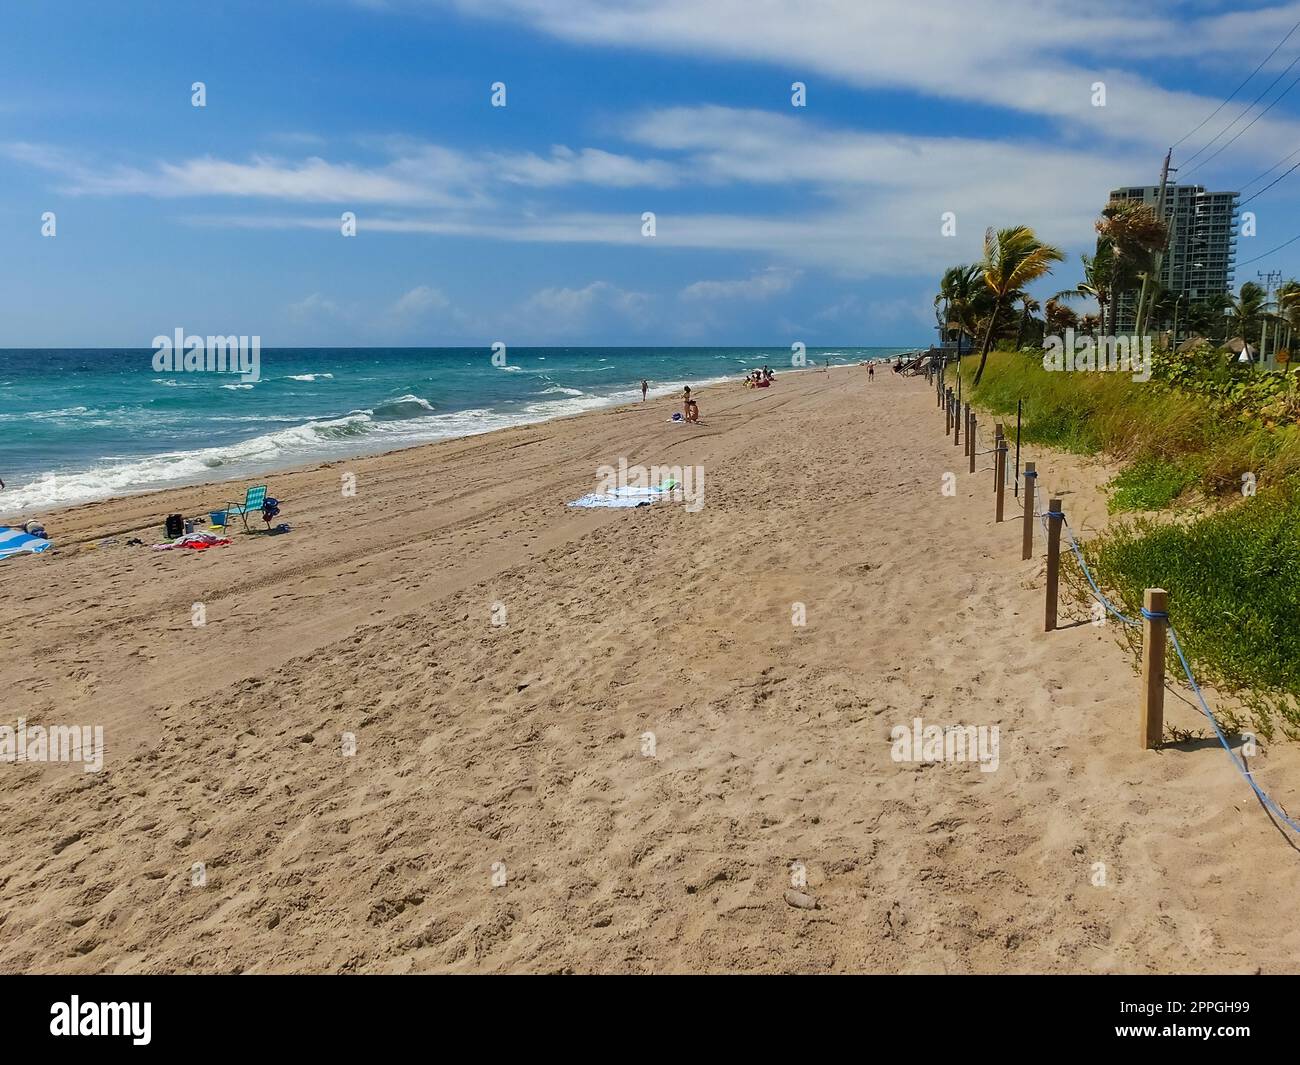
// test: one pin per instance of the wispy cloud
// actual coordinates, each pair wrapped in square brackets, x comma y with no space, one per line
[416,174]
[559,311]
[773,281]
[865,204]
[1033,57]
[419,301]
[313,307]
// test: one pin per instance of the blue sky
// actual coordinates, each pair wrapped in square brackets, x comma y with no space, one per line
[523,223]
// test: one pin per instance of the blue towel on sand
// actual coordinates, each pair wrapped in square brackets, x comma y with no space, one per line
[14,540]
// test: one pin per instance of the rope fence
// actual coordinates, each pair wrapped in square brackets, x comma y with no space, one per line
[1155,622]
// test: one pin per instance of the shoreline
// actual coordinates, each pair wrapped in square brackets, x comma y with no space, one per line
[298,464]
[52,515]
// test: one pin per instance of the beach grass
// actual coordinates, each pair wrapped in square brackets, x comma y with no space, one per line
[1213,467]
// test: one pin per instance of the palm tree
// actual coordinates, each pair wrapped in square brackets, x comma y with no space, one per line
[1162,305]
[1288,308]
[1028,305]
[1013,258]
[1098,272]
[1058,317]
[1136,234]
[1247,311]
[961,292]
[1206,317]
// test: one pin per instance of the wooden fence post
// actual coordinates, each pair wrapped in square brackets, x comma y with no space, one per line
[1153,667]
[957,434]
[1000,463]
[1027,532]
[966,422]
[997,442]
[1053,561]
[947,411]
[970,435]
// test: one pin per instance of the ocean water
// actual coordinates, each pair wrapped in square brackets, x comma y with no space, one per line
[79,425]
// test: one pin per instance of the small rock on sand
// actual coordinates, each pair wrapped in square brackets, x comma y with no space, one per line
[800,900]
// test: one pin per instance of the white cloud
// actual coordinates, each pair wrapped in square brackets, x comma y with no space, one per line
[590,166]
[418,301]
[415,174]
[313,307]
[773,281]
[559,311]
[872,202]
[1037,57]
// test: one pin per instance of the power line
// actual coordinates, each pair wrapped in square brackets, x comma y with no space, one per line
[1239,87]
[1247,126]
[1245,111]
[1270,170]
[1266,254]
[1270,184]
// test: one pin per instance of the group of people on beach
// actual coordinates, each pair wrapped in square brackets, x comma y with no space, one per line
[690,409]
[760,378]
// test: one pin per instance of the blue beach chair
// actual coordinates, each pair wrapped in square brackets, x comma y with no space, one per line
[252,505]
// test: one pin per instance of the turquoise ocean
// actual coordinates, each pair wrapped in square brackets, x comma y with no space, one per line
[80,425]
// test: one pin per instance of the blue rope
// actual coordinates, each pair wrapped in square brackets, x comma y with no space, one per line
[1236,761]
[1101,598]
[1161,615]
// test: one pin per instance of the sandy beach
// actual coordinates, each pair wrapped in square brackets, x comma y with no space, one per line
[626,774]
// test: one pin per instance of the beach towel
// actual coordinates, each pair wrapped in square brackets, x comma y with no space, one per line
[597,500]
[14,540]
[625,496]
[194,541]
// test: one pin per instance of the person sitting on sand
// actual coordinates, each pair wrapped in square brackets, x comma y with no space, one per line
[692,411]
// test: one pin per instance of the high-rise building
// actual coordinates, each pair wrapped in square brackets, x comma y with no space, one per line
[1202,250]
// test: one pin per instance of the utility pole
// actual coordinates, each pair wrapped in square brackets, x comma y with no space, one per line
[1270,279]
[1139,318]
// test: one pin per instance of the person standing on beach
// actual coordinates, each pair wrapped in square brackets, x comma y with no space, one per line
[686,402]
[645,387]
[871,372]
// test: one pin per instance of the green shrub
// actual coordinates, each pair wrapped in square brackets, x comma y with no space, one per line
[1200,425]
[1149,484]
[1233,579]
